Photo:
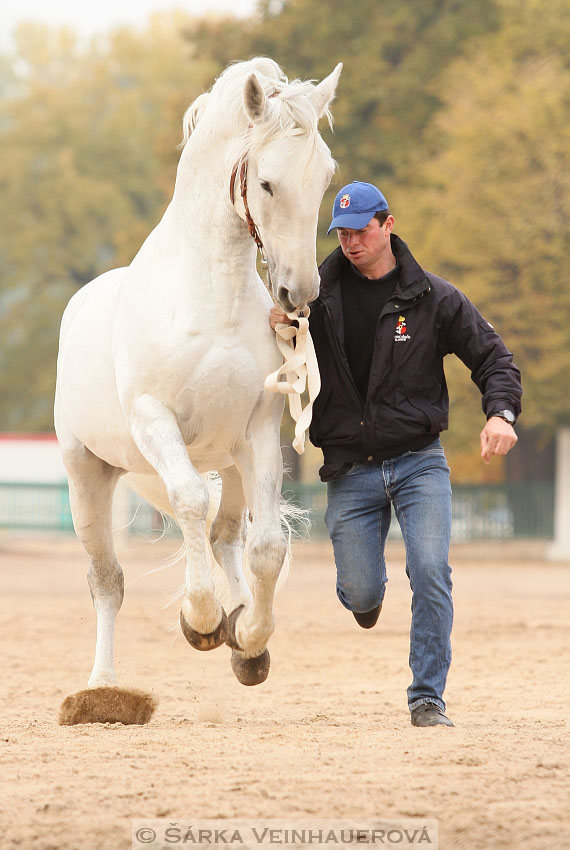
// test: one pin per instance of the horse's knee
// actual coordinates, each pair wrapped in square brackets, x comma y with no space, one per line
[189,499]
[227,531]
[266,555]
[106,579]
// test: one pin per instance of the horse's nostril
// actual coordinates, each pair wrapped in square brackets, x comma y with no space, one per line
[283,295]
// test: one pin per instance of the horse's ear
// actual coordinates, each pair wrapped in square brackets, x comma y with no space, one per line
[254,99]
[324,93]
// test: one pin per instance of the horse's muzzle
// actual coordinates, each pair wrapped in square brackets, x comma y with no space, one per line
[285,299]
[292,299]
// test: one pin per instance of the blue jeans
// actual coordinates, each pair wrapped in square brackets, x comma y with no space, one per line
[358,518]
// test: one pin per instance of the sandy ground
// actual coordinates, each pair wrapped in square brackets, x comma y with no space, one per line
[327,736]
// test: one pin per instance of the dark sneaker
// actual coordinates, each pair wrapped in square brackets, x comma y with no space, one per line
[429,714]
[369,618]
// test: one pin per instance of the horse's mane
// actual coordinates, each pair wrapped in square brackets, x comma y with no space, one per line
[289,106]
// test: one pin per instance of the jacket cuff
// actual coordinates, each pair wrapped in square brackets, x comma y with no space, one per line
[496,407]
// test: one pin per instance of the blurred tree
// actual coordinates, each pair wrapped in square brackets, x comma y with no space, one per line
[458,110]
[393,55]
[87,164]
[491,207]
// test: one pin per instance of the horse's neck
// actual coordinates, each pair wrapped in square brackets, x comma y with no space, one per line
[215,256]
[201,201]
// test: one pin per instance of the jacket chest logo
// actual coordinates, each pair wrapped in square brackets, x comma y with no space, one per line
[401,334]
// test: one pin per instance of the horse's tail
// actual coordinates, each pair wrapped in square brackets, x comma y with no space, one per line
[293,518]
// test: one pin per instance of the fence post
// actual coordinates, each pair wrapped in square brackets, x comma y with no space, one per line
[560,549]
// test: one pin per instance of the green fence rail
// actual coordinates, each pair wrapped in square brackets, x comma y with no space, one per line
[480,512]
[35,507]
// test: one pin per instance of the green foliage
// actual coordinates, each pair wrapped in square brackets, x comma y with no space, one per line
[87,163]
[393,53]
[491,209]
[459,111]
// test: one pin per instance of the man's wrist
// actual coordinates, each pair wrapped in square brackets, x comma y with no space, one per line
[505,414]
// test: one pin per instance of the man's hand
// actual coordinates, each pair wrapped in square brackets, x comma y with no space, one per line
[278,317]
[497,438]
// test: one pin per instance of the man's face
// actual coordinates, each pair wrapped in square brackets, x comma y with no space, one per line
[365,247]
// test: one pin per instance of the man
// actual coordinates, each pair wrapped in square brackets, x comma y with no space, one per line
[381,328]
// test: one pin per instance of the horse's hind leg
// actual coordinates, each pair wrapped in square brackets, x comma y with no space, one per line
[157,435]
[227,536]
[91,486]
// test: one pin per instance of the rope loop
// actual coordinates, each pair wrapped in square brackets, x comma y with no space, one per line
[299,372]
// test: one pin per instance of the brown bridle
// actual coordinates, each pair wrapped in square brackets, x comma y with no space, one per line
[300,368]
[251,225]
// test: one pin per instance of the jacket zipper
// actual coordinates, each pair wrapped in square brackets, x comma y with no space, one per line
[389,307]
[334,341]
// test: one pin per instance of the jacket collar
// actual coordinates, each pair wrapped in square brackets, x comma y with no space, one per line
[413,279]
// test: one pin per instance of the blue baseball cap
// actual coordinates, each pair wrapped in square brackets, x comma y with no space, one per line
[355,205]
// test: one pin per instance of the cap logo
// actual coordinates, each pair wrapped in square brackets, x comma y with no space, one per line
[345,202]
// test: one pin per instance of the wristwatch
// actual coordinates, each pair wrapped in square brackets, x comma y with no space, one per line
[507,415]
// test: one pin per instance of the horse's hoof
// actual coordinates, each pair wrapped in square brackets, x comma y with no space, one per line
[231,636]
[107,705]
[205,642]
[248,671]
[251,671]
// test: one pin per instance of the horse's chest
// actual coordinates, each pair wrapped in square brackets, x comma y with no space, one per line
[217,393]
[212,384]
[220,391]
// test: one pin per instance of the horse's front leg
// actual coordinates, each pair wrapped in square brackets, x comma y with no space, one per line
[250,626]
[91,486]
[157,435]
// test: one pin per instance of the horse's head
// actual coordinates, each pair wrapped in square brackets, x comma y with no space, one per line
[289,167]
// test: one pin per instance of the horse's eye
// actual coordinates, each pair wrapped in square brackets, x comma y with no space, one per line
[266,187]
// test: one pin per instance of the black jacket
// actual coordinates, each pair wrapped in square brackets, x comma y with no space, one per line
[407,403]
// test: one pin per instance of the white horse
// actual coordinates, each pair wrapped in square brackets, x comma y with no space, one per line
[162,364]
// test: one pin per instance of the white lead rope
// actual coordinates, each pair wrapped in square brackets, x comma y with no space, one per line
[301,372]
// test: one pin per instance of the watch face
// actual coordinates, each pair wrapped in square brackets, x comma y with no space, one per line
[508,416]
